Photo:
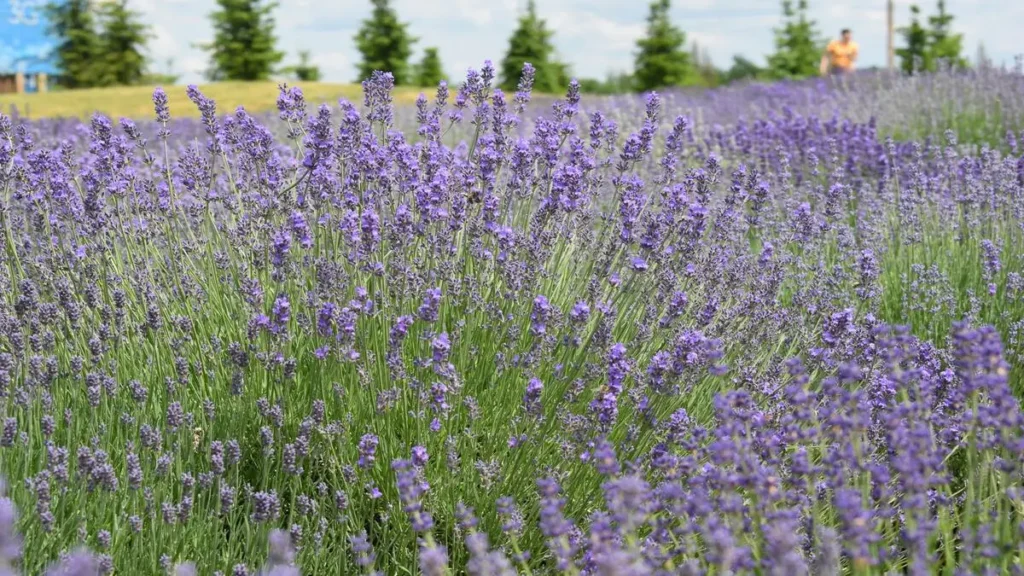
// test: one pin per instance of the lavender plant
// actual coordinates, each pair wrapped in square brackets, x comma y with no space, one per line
[506,340]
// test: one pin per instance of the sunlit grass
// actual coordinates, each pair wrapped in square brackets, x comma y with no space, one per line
[136,102]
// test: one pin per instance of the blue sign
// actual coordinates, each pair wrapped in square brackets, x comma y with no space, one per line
[25,41]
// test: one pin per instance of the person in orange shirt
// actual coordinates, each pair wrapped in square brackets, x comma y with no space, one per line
[840,55]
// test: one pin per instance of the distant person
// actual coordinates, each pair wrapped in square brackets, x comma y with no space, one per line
[840,55]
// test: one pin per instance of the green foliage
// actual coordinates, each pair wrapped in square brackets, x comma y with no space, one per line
[531,43]
[100,44]
[165,78]
[614,83]
[159,79]
[946,47]
[797,44]
[914,55]
[305,70]
[123,41]
[925,49]
[243,46]
[78,54]
[385,44]
[742,69]
[430,72]
[662,60]
[706,74]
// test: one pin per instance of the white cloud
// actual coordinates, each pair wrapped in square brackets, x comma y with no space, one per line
[594,36]
[598,29]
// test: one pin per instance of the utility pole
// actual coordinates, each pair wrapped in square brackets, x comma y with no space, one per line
[890,51]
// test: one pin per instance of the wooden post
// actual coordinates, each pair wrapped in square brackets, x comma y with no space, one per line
[41,82]
[890,56]
[19,82]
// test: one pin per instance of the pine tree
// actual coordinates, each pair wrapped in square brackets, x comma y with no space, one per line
[945,48]
[385,44]
[123,40]
[305,70]
[797,44]
[613,83]
[77,55]
[429,72]
[914,55]
[706,72]
[166,77]
[531,42]
[742,69]
[662,60]
[244,45]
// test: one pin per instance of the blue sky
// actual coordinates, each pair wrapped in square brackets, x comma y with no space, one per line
[594,36]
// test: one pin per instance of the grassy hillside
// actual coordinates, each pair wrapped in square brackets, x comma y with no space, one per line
[135,102]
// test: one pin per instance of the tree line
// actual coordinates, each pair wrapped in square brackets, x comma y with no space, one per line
[662,58]
[99,44]
[103,44]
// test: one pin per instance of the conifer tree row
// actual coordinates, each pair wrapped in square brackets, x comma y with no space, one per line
[531,42]
[98,45]
[926,48]
[104,44]
[244,44]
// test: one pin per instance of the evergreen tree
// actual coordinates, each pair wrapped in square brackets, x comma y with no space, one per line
[797,44]
[707,74]
[123,41]
[77,55]
[914,55]
[614,83]
[305,70]
[429,72]
[244,45]
[945,47]
[531,42]
[742,69]
[662,60]
[385,44]
[165,78]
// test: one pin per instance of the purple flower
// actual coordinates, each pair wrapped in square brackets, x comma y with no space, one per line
[280,315]
[419,456]
[540,315]
[440,346]
[160,105]
[631,204]
[80,562]
[580,312]
[266,506]
[282,553]
[604,458]
[511,516]
[300,229]
[411,489]
[377,97]
[531,399]
[362,549]
[433,561]
[605,404]
[10,541]
[990,253]
[399,330]
[428,309]
[367,450]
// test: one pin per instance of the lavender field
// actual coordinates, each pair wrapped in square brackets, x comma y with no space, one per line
[759,330]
